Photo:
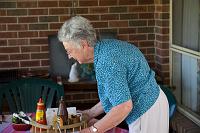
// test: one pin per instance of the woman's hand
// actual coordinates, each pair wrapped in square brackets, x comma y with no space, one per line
[86,113]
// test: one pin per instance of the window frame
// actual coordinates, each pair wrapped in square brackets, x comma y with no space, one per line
[185,51]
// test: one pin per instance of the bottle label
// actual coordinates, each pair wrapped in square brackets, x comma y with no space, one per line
[60,121]
[39,115]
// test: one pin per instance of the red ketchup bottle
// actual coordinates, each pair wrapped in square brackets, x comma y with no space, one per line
[40,113]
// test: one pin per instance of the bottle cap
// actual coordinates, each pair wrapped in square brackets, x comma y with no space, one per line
[40,102]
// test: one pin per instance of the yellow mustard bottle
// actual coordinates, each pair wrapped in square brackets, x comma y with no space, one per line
[41,113]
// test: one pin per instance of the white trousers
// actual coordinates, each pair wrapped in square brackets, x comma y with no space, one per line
[155,120]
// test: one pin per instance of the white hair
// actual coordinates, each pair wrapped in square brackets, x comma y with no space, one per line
[76,29]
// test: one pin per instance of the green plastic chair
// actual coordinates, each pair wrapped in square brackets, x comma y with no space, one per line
[23,94]
[171,100]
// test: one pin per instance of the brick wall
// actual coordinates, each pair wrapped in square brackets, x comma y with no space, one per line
[162,39]
[25,25]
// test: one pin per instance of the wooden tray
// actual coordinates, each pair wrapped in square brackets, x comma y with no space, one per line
[71,128]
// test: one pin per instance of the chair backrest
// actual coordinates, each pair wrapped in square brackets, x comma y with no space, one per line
[171,100]
[23,94]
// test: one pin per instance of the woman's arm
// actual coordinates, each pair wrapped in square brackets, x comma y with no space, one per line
[114,117]
[94,111]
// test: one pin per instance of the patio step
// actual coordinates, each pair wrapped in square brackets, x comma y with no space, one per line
[181,124]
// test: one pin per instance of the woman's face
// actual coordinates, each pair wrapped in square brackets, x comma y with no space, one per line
[82,54]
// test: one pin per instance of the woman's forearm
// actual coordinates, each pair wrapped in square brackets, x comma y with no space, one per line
[96,110]
[116,115]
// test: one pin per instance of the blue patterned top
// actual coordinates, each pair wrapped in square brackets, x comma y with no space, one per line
[123,73]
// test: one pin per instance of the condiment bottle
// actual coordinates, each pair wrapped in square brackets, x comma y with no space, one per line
[62,114]
[40,113]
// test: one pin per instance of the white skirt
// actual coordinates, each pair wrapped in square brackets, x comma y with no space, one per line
[155,120]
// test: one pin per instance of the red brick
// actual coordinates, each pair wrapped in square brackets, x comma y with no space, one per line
[127,2]
[162,45]
[135,9]
[27,19]
[2,12]
[28,34]
[9,64]
[100,24]
[107,2]
[48,19]
[97,10]
[162,52]
[55,25]
[129,16]
[28,4]
[14,42]
[127,30]
[146,30]
[8,34]
[45,62]
[81,10]
[137,23]
[48,4]
[9,49]
[39,55]
[2,27]
[162,23]
[151,8]
[110,17]
[8,20]
[162,38]
[62,19]
[38,11]
[146,15]
[17,27]
[58,11]
[145,2]
[151,36]
[164,67]
[151,22]
[88,3]
[30,49]
[45,48]
[4,57]
[123,37]
[121,9]
[150,50]
[19,56]
[162,30]
[3,42]
[65,3]
[118,23]
[112,30]
[138,37]
[162,8]
[38,26]
[38,41]
[91,17]
[17,12]
[7,4]
[162,60]
[46,33]
[29,63]
[146,44]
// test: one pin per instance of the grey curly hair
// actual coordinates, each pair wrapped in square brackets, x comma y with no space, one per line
[76,29]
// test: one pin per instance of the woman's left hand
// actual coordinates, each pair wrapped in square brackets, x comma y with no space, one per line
[86,130]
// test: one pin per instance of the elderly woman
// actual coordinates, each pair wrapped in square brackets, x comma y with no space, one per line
[127,88]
